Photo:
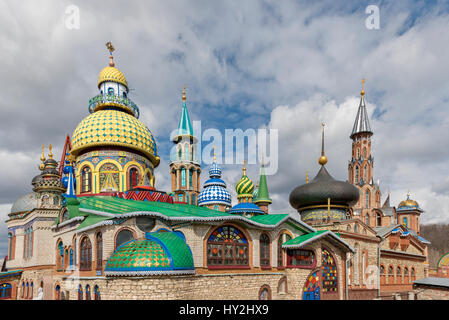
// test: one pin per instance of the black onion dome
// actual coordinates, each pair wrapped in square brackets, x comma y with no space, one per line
[322,187]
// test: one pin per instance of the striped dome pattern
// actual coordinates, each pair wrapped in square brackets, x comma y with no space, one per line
[245,186]
[112,74]
[114,128]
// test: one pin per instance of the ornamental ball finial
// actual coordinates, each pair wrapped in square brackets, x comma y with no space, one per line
[184,94]
[362,93]
[111,49]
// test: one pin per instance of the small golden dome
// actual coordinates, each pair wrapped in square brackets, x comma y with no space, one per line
[322,160]
[112,74]
[408,203]
[114,128]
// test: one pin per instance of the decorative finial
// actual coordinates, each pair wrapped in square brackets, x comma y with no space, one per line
[215,158]
[184,94]
[408,194]
[263,160]
[244,168]
[323,159]
[307,176]
[50,154]
[362,93]
[111,50]
[42,156]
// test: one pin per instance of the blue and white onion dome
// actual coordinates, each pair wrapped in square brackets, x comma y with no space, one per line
[214,189]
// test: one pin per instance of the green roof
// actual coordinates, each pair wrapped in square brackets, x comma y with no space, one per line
[269,219]
[305,237]
[185,126]
[177,247]
[302,240]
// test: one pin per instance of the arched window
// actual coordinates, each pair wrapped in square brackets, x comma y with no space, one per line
[367,199]
[55,200]
[365,173]
[133,178]
[398,275]
[10,246]
[390,275]
[99,251]
[281,240]
[122,237]
[264,243]
[356,263]
[406,275]
[110,91]
[404,222]
[179,152]
[23,289]
[60,257]
[413,274]
[186,151]
[31,290]
[181,197]
[282,285]
[356,180]
[187,198]
[27,291]
[193,199]
[97,295]
[71,259]
[86,254]
[109,178]
[379,219]
[227,246]
[88,292]
[329,272]
[80,292]
[364,152]
[86,179]
[356,228]
[265,293]
[367,219]
[300,258]
[124,94]
[190,178]
[58,292]
[183,177]
[348,228]
[5,291]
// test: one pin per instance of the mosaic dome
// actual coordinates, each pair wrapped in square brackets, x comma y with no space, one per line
[114,128]
[159,253]
[25,203]
[112,74]
[214,191]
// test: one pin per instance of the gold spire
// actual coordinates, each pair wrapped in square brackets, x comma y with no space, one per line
[263,160]
[184,94]
[323,159]
[42,156]
[244,168]
[50,154]
[307,176]
[215,158]
[362,93]
[111,50]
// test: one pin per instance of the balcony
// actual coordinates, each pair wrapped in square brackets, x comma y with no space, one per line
[101,102]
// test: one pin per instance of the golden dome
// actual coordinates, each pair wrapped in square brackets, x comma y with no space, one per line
[114,128]
[112,74]
[408,203]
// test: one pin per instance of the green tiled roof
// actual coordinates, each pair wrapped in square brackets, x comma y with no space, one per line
[262,192]
[269,219]
[159,253]
[302,240]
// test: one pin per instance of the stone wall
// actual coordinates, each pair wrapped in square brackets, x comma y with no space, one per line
[431,293]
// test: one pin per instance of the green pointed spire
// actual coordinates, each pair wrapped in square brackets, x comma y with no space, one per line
[262,192]
[185,126]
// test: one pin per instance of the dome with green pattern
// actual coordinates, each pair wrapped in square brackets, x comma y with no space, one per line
[245,186]
[159,253]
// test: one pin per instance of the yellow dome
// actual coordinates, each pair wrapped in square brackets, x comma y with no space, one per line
[112,74]
[408,203]
[114,128]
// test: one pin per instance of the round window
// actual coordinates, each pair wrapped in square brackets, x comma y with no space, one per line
[145,224]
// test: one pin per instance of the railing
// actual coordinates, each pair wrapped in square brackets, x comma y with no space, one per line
[112,98]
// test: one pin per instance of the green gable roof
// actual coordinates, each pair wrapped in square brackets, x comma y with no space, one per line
[262,192]
[302,240]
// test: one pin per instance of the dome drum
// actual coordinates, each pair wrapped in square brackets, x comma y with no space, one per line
[103,101]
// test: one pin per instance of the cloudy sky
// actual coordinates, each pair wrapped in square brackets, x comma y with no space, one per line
[283,65]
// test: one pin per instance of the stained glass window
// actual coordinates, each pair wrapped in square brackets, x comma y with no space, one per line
[329,272]
[300,257]
[58,293]
[86,254]
[80,292]
[264,250]
[87,292]
[312,287]
[97,293]
[71,258]
[86,180]
[227,246]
